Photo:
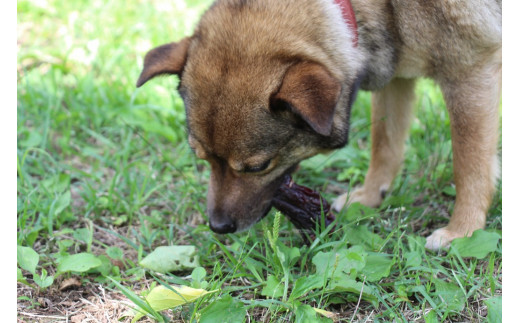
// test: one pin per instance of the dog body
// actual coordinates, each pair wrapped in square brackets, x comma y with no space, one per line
[268,83]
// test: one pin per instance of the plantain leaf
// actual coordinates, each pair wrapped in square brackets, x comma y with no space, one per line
[305,313]
[362,235]
[27,258]
[378,266]
[305,284]
[224,310]
[494,306]
[478,245]
[413,258]
[347,285]
[165,259]
[450,295]
[273,288]
[344,261]
[80,262]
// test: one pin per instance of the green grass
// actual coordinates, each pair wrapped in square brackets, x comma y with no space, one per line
[105,176]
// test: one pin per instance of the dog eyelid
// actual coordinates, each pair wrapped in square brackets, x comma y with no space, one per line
[197,148]
[257,169]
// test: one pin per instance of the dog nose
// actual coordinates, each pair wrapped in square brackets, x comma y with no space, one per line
[222,225]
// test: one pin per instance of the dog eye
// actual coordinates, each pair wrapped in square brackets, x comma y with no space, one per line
[257,169]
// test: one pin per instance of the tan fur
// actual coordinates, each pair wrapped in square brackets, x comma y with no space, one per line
[267,83]
[391,112]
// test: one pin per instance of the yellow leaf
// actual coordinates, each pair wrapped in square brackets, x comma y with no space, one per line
[161,298]
[327,314]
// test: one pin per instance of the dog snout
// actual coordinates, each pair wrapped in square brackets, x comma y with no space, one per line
[222,224]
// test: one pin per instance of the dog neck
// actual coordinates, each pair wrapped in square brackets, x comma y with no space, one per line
[378,39]
[350,18]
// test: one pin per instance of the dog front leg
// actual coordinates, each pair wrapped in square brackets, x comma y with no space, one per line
[473,105]
[391,111]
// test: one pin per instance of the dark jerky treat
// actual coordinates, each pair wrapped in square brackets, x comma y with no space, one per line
[303,206]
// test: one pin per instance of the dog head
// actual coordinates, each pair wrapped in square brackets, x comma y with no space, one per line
[257,103]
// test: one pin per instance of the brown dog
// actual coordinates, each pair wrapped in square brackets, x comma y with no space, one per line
[268,83]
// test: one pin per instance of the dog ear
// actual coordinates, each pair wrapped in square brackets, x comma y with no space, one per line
[312,93]
[166,59]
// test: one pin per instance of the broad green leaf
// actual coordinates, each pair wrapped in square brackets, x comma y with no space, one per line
[43,281]
[494,306]
[224,310]
[27,258]
[413,258]
[478,245]
[273,288]
[402,292]
[431,317]
[290,255]
[449,190]
[305,284]
[305,313]
[33,140]
[346,284]
[345,261]
[197,277]
[57,183]
[198,274]
[377,266]
[64,245]
[115,253]
[350,173]
[358,211]
[450,295]
[83,235]
[361,235]
[105,268]
[33,235]
[80,262]
[171,258]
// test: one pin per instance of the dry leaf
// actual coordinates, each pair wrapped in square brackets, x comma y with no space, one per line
[69,283]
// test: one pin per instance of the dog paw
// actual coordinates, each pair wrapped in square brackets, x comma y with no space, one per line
[340,202]
[441,238]
[361,195]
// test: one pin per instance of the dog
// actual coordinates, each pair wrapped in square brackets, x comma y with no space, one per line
[268,83]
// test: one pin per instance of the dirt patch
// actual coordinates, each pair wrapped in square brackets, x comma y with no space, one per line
[89,303]
[73,298]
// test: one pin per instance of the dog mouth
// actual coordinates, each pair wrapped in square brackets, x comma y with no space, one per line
[281,181]
[304,207]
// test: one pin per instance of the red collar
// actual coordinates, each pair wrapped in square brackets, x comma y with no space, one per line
[348,15]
